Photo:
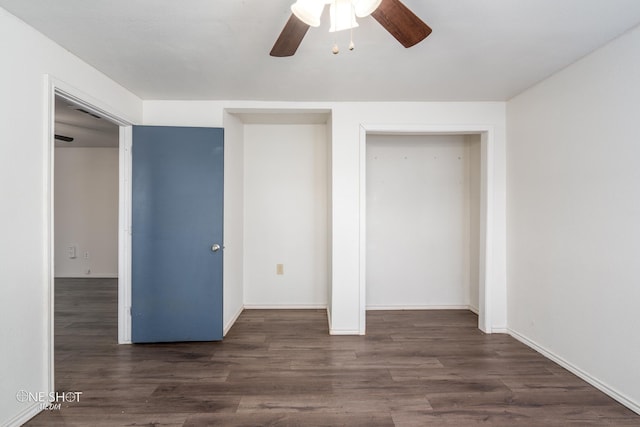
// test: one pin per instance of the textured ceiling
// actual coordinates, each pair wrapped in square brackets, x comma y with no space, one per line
[480,50]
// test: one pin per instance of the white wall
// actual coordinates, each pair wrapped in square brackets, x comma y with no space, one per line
[329,130]
[473,143]
[233,261]
[573,217]
[86,211]
[419,226]
[27,57]
[285,217]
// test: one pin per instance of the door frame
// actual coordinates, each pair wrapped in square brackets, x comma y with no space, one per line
[486,276]
[55,87]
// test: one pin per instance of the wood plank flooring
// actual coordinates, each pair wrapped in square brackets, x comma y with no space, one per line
[282,368]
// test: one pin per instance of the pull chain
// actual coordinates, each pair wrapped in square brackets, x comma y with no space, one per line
[335,49]
[351,45]
[353,24]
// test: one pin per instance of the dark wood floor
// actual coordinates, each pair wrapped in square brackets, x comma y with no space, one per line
[282,368]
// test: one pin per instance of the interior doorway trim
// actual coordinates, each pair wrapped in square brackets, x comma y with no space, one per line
[486,133]
[53,88]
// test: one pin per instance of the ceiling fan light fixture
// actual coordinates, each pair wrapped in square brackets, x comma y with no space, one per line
[399,21]
[365,7]
[308,11]
[343,16]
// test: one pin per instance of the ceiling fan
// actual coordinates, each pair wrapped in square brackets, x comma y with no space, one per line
[63,138]
[393,15]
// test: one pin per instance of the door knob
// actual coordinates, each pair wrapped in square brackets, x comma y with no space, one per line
[215,248]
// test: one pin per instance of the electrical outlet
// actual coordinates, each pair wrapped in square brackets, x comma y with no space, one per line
[279,269]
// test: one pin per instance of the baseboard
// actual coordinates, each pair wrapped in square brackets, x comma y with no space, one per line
[333,331]
[634,406]
[285,306]
[474,310]
[24,416]
[344,332]
[231,322]
[418,307]
[499,330]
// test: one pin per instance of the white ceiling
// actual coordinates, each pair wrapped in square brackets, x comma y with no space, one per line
[85,129]
[219,49]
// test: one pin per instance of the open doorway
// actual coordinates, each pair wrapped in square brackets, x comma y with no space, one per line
[423,222]
[277,210]
[483,214]
[85,243]
[85,193]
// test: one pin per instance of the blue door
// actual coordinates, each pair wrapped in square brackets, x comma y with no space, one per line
[176,262]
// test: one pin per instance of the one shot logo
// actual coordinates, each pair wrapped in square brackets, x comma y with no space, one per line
[49,401]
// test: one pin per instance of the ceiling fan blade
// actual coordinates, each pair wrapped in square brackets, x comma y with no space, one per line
[290,37]
[403,24]
[63,138]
